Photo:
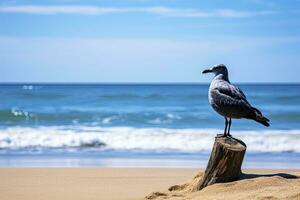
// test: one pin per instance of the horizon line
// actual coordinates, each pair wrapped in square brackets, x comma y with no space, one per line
[142,83]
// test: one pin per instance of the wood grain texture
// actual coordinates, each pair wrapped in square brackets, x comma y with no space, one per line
[225,162]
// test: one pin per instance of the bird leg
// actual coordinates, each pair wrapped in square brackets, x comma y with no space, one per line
[226,123]
[228,132]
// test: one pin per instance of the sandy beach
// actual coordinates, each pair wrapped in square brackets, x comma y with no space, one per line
[137,183]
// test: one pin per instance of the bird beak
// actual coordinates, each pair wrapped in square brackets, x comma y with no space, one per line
[207,71]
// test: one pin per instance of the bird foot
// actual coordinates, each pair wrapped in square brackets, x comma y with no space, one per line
[221,136]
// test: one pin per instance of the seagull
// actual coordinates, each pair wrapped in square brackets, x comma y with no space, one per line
[229,100]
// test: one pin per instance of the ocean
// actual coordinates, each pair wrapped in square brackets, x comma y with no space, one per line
[140,125]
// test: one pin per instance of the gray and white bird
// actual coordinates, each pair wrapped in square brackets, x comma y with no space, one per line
[229,100]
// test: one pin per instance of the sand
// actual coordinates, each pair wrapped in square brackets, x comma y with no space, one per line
[254,185]
[133,184]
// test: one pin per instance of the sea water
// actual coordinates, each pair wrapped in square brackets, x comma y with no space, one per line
[140,125]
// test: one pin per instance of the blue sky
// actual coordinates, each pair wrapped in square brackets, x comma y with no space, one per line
[148,41]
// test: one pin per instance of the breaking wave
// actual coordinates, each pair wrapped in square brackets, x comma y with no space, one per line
[153,139]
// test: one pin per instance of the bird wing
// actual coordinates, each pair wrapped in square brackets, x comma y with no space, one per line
[231,100]
[233,91]
[240,91]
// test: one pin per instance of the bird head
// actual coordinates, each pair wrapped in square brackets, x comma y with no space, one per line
[217,69]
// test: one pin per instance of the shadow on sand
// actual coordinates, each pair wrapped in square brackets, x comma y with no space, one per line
[283,175]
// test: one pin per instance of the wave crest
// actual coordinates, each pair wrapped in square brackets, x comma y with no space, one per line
[157,139]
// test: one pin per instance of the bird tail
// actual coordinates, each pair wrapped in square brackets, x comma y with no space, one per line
[258,117]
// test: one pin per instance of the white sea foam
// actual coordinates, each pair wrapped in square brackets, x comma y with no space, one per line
[158,139]
[108,120]
[28,87]
[21,113]
[168,118]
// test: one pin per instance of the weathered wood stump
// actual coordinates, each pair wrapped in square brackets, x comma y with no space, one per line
[225,162]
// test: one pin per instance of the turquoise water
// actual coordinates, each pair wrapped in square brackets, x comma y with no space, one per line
[139,125]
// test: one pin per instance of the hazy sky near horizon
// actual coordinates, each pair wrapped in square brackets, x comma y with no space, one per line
[148,40]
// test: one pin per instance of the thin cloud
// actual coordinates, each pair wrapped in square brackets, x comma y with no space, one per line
[161,11]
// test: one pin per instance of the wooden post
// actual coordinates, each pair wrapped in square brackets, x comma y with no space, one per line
[224,163]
